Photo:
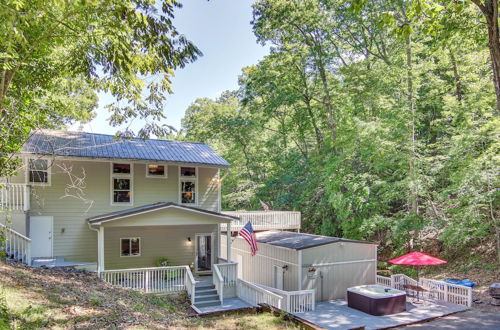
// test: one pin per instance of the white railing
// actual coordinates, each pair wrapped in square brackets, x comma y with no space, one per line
[14,197]
[149,280]
[386,281]
[440,290]
[218,282]
[190,284]
[15,245]
[295,301]
[262,220]
[436,290]
[229,273]
[255,295]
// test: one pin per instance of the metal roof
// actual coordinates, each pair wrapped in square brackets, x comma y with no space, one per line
[149,208]
[91,145]
[299,241]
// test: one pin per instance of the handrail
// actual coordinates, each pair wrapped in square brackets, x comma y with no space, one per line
[190,284]
[14,196]
[229,273]
[262,220]
[254,295]
[16,245]
[218,282]
[298,301]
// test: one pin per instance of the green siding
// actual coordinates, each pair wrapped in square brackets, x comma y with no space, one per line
[72,237]
[161,241]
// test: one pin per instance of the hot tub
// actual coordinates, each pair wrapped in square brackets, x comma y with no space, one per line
[376,299]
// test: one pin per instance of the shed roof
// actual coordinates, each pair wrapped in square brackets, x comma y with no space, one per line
[91,145]
[299,241]
[150,208]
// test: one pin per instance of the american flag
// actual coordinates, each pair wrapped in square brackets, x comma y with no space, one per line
[264,205]
[249,235]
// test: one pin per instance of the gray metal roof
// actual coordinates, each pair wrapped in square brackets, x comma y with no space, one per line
[91,145]
[150,208]
[299,241]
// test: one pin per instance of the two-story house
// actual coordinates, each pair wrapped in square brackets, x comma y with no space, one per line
[119,203]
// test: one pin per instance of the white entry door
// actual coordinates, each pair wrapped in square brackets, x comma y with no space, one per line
[278,277]
[41,236]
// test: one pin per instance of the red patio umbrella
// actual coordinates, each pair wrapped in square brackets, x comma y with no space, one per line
[417,259]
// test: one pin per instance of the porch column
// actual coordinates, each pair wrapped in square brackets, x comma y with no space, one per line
[100,250]
[228,243]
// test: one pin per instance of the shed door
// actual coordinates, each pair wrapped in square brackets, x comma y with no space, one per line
[278,277]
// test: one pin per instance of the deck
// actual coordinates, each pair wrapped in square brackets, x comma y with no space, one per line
[335,314]
[264,220]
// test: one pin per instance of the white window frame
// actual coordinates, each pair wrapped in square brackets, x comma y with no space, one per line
[164,176]
[189,178]
[49,173]
[130,247]
[121,176]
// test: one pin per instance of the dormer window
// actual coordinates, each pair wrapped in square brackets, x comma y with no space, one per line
[38,171]
[156,171]
[188,185]
[121,184]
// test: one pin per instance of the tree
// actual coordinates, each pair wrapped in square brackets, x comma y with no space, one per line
[54,53]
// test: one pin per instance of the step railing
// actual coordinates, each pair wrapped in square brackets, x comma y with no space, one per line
[434,289]
[16,246]
[254,295]
[150,280]
[295,301]
[14,197]
[264,220]
[218,282]
[190,284]
[229,272]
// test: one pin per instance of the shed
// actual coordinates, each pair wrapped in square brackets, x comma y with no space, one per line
[296,261]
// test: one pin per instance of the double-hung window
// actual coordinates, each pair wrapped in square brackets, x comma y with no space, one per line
[38,171]
[188,185]
[121,184]
[130,247]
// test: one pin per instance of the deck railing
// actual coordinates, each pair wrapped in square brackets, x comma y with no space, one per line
[151,280]
[16,246]
[295,301]
[262,220]
[438,290]
[255,295]
[218,282]
[14,197]
[229,273]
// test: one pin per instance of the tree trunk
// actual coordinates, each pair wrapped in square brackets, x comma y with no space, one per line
[490,12]
[458,82]
[409,77]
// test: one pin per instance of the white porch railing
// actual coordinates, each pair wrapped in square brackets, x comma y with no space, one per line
[15,245]
[218,282]
[262,220]
[295,301]
[438,290]
[229,273]
[255,295]
[14,197]
[190,284]
[151,280]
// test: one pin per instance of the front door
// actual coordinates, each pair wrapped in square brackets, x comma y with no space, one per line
[203,258]
[41,236]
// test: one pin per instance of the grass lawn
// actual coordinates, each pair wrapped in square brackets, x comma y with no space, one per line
[33,298]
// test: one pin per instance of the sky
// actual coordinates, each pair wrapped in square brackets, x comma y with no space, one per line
[221,30]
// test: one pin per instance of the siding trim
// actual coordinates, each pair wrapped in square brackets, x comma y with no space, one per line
[267,257]
[339,263]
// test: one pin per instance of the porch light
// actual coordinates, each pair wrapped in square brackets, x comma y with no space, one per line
[189,239]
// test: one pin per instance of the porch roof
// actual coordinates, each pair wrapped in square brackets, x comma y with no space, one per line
[97,220]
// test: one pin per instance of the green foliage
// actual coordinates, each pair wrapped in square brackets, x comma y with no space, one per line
[162,262]
[4,311]
[375,119]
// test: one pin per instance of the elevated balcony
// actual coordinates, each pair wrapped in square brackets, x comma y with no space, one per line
[264,220]
[14,197]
